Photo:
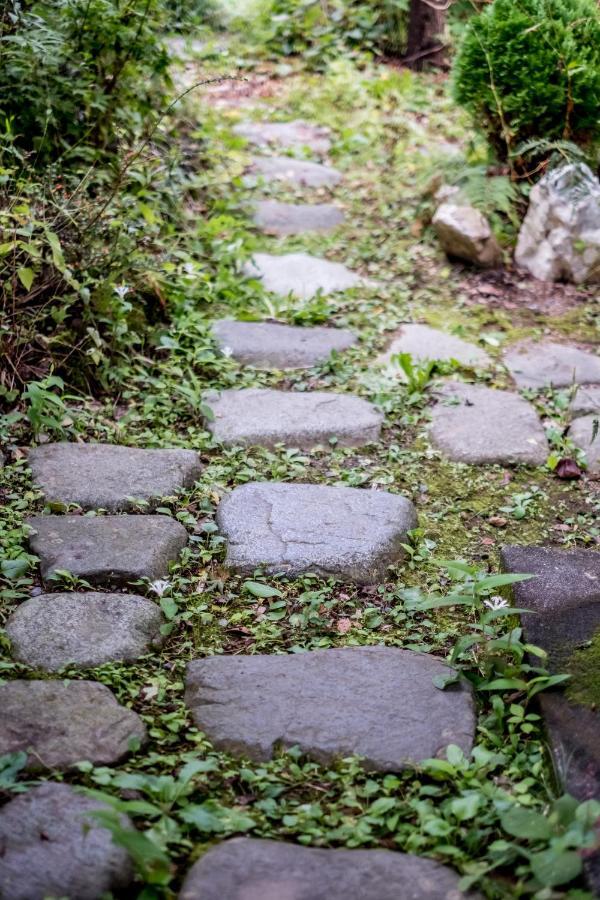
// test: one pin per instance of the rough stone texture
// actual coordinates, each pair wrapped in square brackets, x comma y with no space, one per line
[560,236]
[476,424]
[581,433]
[378,703]
[291,135]
[295,528]
[107,549]
[283,219]
[586,400]
[424,342]
[259,416]
[50,846]
[107,476]
[465,233]
[53,630]
[564,599]
[60,723]
[252,869]
[300,274]
[551,365]
[271,345]
[295,172]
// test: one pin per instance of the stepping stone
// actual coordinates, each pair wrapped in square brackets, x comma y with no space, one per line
[107,549]
[586,400]
[270,345]
[551,365]
[291,135]
[476,424]
[296,528]
[108,476]
[295,172]
[425,343]
[263,417]
[60,723]
[301,275]
[582,433]
[378,703]
[54,630]
[52,846]
[283,219]
[246,868]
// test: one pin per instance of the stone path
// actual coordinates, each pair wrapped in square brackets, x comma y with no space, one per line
[301,275]
[289,135]
[378,703]
[269,345]
[294,172]
[425,343]
[296,528]
[305,420]
[283,219]
[585,434]
[551,365]
[244,869]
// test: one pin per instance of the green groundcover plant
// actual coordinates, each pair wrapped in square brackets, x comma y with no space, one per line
[529,70]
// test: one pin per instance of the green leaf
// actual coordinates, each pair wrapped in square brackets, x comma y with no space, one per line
[552,868]
[504,684]
[152,863]
[26,277]
[466,807]
[14,568]
[526,823]
[257,589]
[441,682]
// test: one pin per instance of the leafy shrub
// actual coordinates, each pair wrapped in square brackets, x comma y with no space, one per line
[530,69]
[181,15]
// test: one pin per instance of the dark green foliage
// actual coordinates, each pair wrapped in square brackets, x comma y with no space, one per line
[184,15]
[530,69]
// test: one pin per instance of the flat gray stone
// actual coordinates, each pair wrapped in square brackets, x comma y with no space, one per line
[378,703]
[295,528]
[253,869]
[581,433]
[551,365]
[290,135]
[294,172]
[586,400]
[264,417]
[300,274]
[475,424]
[54,630]
[107,549]
[274,346]
[107,476]
[426,343]
[283,219]
[51,846]
[60,723]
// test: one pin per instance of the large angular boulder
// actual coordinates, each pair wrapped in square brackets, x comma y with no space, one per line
[52,846]
[465,233]
[560,236]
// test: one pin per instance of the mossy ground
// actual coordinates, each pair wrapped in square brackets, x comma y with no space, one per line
[584,668]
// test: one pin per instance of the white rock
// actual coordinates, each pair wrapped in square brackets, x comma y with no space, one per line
[465,233]
[560,236]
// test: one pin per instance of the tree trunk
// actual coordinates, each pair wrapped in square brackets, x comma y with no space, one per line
[426,34]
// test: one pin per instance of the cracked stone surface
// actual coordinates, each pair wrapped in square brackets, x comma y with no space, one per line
[264,417]
[424,342]
[283,219]
[107,476]
[582,433]
[378,703]
[300,274]
[50,846]
[294,172]
[250,868]
[475,424]
[271,345]
[295,528]
[551,365]
[586,400]
[107,549]
[59,723]
[289,135]
[87,629]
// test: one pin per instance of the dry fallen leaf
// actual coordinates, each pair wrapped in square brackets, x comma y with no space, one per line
[344,625]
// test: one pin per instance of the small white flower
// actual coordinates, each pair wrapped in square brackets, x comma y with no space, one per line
[159,586]
[227,351]
[189,268]
[496,603]
[121,290]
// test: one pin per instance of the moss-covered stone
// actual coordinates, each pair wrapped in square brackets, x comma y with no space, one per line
[584,668]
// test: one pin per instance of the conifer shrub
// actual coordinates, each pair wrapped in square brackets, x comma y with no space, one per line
[529,70]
